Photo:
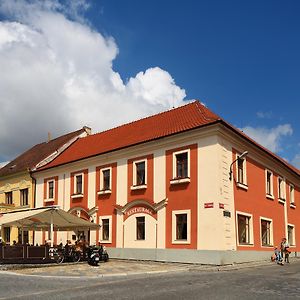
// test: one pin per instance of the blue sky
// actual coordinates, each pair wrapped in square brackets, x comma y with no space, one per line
[241,58]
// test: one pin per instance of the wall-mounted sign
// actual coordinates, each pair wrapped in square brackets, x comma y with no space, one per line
[140,209]
[221,205]
[227,213]
[209,205]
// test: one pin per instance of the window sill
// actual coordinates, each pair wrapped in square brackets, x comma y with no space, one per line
[183,242]
[242,185]
[103,192]
[75,196]
[292,205]
[246,245]
[105,242]
[267,246]
[282,201]
[138,187]
[271,197]
[180,180]
[48,200]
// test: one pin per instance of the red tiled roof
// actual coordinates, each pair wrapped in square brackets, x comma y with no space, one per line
[30,158]
[177,120]
[164,124]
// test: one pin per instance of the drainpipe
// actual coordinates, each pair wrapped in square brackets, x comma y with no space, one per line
[34,199]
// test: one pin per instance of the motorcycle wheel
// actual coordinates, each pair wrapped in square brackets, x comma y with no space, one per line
[76,256]
[59,258]
[106,258]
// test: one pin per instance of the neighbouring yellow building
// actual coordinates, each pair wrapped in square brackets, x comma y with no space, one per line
[17,187]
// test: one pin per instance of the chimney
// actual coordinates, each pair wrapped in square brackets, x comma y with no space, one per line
[88,130]
[49,137]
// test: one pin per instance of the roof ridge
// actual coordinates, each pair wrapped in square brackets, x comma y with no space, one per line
[147,117]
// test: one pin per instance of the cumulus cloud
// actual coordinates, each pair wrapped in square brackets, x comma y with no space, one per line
[296,161]
[271,138]
[57,75]
[264,115]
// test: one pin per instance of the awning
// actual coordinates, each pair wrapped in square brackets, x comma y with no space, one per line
[42,218]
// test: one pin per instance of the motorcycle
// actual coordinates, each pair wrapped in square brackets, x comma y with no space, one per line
[93,256]
[103,253]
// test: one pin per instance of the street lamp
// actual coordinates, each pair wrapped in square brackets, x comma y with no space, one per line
[243,155]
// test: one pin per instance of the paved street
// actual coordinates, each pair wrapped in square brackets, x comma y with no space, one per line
[269,281]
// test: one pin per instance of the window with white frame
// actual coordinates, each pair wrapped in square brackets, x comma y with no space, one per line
[105,229]
[105,179]
[244,226]
[78,184]
[281,188]
[181,227]
[140,228]
[8,198]
[24,197]
[140,173]
[266,230]
[291,234]
[181,164]
[50,189]
[269,183]
[241,171]
[292,194]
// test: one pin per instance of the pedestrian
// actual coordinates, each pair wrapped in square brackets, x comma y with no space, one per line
[278,257]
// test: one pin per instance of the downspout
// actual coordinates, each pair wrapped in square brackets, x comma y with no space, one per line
[34,199]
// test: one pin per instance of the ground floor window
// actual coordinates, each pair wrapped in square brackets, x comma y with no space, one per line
[244,229]
[140,228]
[7,234]
[266,232]
[105,229]
[25,236]
[181,227]
[291,234]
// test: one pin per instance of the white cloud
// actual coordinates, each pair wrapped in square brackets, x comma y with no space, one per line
[296,161]
[57,75]
[2,164]
[271,138]
[264,115]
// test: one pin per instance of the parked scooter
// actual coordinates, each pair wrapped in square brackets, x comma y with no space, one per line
[93,256]
[103,253]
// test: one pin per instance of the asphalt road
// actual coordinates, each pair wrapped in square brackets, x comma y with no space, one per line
[267,282]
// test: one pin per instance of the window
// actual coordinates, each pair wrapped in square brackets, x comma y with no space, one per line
[50,189]
[241,172]
[266,232]
[78,184]
[139,174]
[7,234]
[181,226]
[244,229]
[140,228]
[24,197]
[281,186]
[292,194]
[181,167]
[291,234]
[9,198]
[105,179]
[105,229]
[269,184]
[25,236]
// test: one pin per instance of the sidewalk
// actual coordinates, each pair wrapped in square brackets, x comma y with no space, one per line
[115,267]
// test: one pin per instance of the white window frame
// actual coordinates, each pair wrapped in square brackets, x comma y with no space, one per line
[109,241]
[48,198]
[270,196]
[134,177]
[75,195]
[283,198]
[251,238]
[294,235]
[102,191]
[174,226]
[271,232]
[292,195]
[174,179]
[244,184]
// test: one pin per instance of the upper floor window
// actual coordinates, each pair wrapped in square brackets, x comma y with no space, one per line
[9,198]
[105,179]
[281,188]
[78,184]
[50,189]
[269,184]
[139,174]
[24,197]
[181,166]
[292,194]
[241,171]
